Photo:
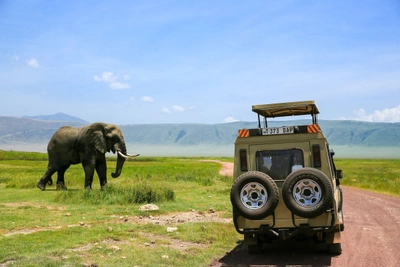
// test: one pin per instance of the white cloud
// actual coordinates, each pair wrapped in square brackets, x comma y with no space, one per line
[385,115]
[14,59]
[105,77]
[147,99]
[230,119]
[33,63]
[119,85]
[177,108]
[112,80]
[166,110]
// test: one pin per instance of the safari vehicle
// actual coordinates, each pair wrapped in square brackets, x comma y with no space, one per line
[285,181]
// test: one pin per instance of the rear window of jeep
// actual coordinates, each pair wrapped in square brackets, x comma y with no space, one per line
[278,164]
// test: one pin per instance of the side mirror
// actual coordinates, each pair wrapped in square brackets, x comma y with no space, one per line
[339,174]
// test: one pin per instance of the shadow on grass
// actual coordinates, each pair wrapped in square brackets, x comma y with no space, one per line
[56,190]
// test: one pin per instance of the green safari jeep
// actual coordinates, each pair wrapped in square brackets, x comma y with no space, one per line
[285,181]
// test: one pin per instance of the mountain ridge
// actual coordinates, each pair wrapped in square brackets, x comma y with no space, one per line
[24,133]
[56,117]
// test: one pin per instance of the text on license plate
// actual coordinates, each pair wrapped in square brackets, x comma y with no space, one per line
[278,130]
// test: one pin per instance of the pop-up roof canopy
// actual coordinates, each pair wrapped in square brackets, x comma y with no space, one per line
[287,109]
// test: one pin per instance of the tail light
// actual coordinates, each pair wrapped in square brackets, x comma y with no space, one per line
[316,154]
[243,160]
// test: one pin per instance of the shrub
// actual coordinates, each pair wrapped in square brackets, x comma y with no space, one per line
[116,195]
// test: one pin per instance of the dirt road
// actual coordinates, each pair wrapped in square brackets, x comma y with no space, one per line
[371,238]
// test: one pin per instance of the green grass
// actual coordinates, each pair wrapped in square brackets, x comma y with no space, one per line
[81,227]
[379,175]
[71,228]
[15,155]
[113,195]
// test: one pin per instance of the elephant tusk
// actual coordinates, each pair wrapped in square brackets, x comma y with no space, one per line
[127,155]
[122,155]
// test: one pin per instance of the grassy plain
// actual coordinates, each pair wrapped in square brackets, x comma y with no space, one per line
[379,175]
[97,227]
[105,227]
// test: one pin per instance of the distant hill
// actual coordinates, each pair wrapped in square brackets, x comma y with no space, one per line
[353,133]
[19,131]
[348,138]
[56,117]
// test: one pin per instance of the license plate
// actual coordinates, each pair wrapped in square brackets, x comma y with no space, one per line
[278,130]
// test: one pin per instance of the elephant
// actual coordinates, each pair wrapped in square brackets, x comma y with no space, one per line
[86,145]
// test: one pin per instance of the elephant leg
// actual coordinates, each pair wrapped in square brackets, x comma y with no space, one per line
[101,169]
[89,172]
[46,178]
[60,178]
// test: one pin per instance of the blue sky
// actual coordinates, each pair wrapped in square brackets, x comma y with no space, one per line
[133,62]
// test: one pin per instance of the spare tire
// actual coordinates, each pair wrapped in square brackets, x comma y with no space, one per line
[307,192]
[254,195]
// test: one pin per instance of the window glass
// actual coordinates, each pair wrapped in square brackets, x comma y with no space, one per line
[279,163]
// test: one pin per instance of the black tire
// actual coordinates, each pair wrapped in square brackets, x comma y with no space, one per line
[340,210]
[335,249]
[254,195]
[341,200]
[341,226]
[307,192]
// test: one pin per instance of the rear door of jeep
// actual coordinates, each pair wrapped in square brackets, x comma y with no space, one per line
[278,160]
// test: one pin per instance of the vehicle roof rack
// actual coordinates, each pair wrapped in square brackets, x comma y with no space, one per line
[286,109]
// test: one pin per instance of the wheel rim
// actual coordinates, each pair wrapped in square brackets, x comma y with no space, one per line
[307,193]
[254,196]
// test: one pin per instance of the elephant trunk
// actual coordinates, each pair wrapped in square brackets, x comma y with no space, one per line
[120,163]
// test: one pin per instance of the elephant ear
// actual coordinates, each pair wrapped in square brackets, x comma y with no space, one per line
[96,134]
